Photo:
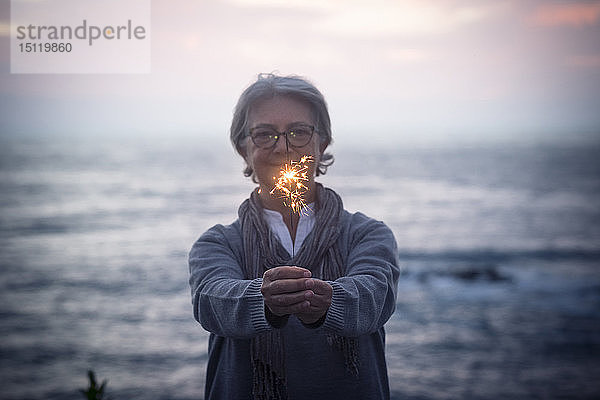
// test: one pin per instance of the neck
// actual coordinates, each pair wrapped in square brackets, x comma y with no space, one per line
[274,203]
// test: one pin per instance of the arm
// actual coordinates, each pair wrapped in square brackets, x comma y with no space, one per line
[224,302]
[365,298]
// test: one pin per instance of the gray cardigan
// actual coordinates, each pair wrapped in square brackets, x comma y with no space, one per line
[232,310]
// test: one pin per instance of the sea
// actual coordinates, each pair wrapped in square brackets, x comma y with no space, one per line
[499,244]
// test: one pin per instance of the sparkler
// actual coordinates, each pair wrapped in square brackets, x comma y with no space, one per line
[291,187]
[290,184]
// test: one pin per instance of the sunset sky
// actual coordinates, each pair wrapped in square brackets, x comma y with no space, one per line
[394,70]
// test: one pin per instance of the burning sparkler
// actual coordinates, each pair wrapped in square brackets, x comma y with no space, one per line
[290,184]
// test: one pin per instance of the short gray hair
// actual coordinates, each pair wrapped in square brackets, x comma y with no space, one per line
[268,86]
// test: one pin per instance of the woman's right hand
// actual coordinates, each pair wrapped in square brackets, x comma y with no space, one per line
[286,290]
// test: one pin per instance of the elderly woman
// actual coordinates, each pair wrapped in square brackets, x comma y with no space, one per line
[295,302]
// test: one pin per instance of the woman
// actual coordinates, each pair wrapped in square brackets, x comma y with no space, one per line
[295,302]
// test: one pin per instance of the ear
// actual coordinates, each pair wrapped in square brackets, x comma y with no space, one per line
[241,149]
[323,146]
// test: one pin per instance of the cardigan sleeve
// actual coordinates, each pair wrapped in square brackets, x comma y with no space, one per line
[224,302]
[365,297]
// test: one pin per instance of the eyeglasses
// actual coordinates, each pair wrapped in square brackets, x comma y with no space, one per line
[297,136]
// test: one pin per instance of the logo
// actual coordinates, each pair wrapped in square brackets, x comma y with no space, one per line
[80,36]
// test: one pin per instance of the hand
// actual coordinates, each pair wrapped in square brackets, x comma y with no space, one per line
[319,299]
[286,290]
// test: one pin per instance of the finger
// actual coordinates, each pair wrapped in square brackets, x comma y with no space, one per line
[318,301]
[289,299]
[288,286]
[297,308]
[286,272]
[319,287]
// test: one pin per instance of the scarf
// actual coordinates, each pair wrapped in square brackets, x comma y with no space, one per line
[320,254]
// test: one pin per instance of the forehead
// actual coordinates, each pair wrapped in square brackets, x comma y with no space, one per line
[279,110]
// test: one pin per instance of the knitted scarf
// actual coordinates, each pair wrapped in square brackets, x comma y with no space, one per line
[320,254]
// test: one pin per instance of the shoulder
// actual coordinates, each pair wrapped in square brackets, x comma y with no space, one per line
[220,230]
[368,241]
[361,234]
[220,235]
[358,224]
[357,218]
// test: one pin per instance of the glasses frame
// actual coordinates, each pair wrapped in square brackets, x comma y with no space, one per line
[284,133]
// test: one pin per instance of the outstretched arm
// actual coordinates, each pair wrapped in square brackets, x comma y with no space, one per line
[365,298]
[224,302]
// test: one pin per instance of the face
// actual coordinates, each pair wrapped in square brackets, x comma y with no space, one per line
[280,113]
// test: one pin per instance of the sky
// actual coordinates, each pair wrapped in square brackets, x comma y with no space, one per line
[417,70]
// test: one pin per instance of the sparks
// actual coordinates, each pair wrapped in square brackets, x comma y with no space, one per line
[290,183]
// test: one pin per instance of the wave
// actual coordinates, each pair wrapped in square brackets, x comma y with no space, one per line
[499,255]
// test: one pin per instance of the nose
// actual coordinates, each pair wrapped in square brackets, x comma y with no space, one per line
[282,145]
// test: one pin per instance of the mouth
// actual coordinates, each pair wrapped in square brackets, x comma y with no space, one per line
[280,163]
[286,161]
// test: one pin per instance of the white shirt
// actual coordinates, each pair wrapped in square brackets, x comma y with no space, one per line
[305,224]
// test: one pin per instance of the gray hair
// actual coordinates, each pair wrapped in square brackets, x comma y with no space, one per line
[268,86]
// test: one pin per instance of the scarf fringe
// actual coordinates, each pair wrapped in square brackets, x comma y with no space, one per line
[268,367]
[349,348]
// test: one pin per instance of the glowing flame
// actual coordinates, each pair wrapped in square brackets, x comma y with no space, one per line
[290,183]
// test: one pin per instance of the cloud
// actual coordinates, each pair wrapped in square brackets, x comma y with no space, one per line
[566,14]
[294,4]
[401,18]
[588,61]
[407,55]
[382,17]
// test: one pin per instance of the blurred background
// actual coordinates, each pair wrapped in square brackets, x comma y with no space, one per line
[470,127]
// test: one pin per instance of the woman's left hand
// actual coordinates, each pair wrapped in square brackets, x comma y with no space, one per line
[320,300]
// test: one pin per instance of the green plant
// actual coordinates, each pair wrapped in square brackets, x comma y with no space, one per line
[94,392]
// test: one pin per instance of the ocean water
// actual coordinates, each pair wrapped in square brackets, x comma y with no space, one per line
[500,249]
